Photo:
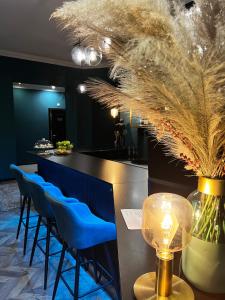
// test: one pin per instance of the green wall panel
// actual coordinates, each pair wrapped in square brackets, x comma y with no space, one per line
[31,118]
[7,127]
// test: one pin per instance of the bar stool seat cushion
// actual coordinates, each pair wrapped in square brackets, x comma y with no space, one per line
[37,191]
[57,192]
[90,230]
[59,196]
[70,200]
[78,226]
[87,230]
[19,175]
[35,177]
[51,188]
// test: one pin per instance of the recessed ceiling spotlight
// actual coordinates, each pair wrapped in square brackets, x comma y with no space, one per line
[19,83]
[53,87]
[82,88]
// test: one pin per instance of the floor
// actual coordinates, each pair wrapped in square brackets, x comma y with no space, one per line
[9,193]
[17,280]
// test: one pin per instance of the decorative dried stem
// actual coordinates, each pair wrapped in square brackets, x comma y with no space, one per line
[170,67]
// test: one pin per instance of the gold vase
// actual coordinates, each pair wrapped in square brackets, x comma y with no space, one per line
[203,261]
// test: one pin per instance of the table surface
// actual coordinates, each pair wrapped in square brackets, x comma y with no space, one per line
[130,188]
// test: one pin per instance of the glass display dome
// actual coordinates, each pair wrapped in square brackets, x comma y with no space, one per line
[43,146]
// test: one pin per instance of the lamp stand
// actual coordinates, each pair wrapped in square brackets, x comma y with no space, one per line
[162,284]
[164,277]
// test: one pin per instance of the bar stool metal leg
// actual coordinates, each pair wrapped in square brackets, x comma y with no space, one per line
[113,270]
[27,225]
[59,270]
[21,216]
[47,255]
[77,278]
[35,239]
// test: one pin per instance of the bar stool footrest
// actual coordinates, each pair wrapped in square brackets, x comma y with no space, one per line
[107,276]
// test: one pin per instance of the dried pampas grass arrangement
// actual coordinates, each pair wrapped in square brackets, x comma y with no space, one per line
[169,64]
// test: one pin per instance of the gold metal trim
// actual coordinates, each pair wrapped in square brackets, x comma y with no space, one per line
[144,289]
[209,186]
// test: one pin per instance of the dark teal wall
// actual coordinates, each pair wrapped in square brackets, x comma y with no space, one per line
[7,126]
[83,117]
[31,118]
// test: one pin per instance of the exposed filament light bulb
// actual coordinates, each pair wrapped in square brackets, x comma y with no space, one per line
[166,226]
[167,222]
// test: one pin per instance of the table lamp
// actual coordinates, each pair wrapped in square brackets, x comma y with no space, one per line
[166,226]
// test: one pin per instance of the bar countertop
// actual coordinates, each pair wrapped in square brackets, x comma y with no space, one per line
[106,170]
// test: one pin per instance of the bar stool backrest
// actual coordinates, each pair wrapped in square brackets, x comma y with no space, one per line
[77,226]
[37,193]
[18,174]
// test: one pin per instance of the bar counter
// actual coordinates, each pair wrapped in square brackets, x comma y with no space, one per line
[107,187]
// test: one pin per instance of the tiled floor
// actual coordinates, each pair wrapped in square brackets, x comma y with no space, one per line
[17,280]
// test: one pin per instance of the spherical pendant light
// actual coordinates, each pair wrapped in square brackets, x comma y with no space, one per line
[92,56]
[78,55]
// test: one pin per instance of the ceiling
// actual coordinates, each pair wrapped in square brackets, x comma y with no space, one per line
[27,33]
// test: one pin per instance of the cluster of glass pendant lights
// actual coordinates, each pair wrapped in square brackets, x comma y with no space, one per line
[89,56]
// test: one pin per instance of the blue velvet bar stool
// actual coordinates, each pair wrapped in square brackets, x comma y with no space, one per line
[43,208]
[25,199]
[80,230]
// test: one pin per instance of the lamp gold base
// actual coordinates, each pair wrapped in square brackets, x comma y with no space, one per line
[144,288]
